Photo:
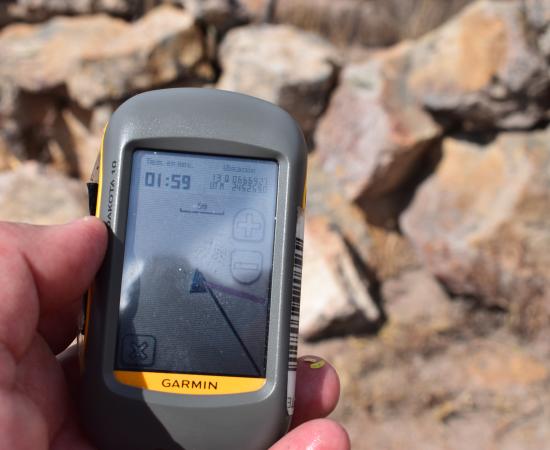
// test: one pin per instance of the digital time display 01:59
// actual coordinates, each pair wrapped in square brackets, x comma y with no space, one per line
[174,181]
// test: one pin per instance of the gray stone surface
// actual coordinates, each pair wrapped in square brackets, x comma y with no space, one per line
[72,52]
[481,69]
[283,65]
[481,223]
[36,194]
[374,131]
[335,295]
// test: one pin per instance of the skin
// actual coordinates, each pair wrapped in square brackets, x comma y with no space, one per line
[43,273]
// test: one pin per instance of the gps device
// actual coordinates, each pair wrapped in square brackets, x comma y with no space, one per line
[190,329]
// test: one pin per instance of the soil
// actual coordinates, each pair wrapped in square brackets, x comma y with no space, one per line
[473,385]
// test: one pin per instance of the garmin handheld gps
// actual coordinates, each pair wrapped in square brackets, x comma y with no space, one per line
[190,330]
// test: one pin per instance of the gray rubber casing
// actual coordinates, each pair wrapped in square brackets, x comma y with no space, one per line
[208,121]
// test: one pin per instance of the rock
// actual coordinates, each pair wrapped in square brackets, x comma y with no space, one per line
[70,52]
[482,70]
[377,129]
[283,65]
[159,48]
[45,63]
[7,159]
[335,293]
[5,16]
[420,314]
[415,303]
[324,199]
[221,14]
[481,223]
[374,132]
[383,252]
[85,132]
[27,122]
[537,13]
[36,194]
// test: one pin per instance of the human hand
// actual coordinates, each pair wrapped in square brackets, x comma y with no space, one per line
[43,274]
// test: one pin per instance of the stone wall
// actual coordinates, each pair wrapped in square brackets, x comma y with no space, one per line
[428,220]
[438,143]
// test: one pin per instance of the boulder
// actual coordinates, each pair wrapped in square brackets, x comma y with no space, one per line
[70,52]
[481,223]
[482,69]
[335,291]
[37,194]
[283,65]
[44,64]
[374,132]
[384,253]
[161,47]
[84,130]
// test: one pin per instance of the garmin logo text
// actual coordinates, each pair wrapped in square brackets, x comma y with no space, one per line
[190,384]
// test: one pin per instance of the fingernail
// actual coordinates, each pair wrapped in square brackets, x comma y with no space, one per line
[314,362]
[80,219]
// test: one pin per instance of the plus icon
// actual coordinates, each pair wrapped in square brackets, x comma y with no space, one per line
[248,225]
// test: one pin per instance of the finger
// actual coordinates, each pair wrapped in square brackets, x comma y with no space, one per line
[42,380]
[60,327]
[43,269]
[63,259]
[21,425]
[71,366]
[41,377]
[71,438]
[320,434]
[317,389]
[19,307]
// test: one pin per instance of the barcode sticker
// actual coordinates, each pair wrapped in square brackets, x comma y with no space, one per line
[295,311]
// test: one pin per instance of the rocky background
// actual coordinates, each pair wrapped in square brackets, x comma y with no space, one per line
[427,271]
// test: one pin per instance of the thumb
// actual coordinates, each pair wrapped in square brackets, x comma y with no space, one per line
[62,259]
[44,269]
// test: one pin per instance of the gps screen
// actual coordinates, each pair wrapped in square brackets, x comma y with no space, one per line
[197,264]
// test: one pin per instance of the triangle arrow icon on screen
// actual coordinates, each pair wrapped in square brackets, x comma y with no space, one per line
[198,284]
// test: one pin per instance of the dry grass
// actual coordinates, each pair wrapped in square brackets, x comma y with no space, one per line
[367,22]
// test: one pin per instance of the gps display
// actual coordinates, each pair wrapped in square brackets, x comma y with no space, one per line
[197,268]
